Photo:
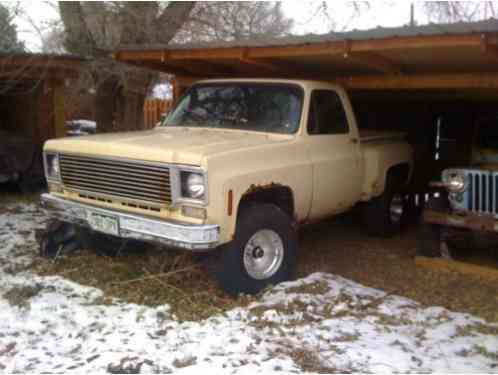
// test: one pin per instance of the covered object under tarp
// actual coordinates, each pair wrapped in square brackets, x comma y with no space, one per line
[431,81]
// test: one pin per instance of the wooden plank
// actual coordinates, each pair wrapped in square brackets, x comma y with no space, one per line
[311,49]
[371,60]
[445,265]
[427,81]
[58,108]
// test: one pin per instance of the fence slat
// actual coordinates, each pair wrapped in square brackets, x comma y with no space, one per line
[153,108]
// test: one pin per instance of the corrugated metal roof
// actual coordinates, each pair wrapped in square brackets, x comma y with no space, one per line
[486,26]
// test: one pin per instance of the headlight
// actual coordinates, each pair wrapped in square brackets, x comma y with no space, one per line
[454,181]
[52,169]
[193,185]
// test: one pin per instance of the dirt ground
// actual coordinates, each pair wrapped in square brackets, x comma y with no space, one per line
[337,246]
[340,247]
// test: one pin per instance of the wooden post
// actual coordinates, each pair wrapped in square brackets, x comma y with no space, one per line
[58,108]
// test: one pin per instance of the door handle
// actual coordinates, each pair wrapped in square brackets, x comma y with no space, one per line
[354,140]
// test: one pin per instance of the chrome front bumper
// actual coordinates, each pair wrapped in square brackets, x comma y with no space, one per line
[187,236]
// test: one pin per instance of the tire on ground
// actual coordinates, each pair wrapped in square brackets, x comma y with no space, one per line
[231,271]
[376,213]
[429,237]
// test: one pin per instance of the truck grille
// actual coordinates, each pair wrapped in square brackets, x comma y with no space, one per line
[119,178]
[481,192]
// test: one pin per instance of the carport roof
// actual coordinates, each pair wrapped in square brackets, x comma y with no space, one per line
[21,66]
[429,56]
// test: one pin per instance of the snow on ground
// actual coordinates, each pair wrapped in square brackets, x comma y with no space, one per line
[320,323]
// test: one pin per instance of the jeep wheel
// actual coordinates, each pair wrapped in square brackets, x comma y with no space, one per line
[263,252]
[384,215]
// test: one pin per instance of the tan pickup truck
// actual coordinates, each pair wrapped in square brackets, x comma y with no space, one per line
[237,166]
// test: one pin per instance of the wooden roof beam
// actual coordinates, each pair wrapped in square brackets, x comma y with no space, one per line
[244,58]
[371,60]
[164,67]
[312,49]
[488,48]
[421,81]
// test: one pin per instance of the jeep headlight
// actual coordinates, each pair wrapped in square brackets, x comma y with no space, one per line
[193,185]
[454,181]
[52,168]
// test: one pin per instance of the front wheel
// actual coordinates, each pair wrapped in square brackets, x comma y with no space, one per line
[263,252]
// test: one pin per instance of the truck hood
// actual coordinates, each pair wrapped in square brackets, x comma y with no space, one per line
[168,145]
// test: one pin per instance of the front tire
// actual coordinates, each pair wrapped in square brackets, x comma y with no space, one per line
[263,252]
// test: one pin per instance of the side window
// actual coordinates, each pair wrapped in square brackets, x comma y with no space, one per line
[327,115]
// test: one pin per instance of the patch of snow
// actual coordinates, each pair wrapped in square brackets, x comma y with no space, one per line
[162,91]
[341,325]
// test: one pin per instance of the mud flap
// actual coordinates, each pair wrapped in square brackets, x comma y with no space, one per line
[56,239]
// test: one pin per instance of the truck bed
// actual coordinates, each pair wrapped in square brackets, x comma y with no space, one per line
[379,135]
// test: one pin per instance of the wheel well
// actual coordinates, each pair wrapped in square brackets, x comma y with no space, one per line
[400,172]
[279,195]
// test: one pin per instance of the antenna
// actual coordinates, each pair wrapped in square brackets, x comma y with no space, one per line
[412,14]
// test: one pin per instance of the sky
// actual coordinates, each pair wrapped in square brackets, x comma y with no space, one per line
[303,12]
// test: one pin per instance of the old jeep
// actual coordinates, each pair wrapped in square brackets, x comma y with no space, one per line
[464,213]
[235,168]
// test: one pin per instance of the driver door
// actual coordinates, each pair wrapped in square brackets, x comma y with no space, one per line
[335,154]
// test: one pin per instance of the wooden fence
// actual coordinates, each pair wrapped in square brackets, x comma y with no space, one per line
[153,109]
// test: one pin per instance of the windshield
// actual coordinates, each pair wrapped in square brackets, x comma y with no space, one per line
[488,133]
[274,108]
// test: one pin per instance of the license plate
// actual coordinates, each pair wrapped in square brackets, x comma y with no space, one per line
[104,223]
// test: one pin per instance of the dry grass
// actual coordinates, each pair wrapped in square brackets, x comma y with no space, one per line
[20,295]
[150,277]
[341,247]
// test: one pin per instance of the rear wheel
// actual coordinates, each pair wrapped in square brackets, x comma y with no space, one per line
[384,215]
[263,252]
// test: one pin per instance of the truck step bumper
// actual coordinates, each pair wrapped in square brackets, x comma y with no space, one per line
[124,225]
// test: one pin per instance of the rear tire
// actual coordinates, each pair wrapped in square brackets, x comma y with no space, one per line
[263,252]
[384,215]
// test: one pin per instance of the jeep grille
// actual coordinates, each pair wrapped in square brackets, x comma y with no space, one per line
[481,192]
[137,181]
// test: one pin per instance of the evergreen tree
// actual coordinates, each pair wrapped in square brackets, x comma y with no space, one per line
[8,33]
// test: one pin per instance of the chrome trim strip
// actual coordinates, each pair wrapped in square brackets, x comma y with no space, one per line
[187,236]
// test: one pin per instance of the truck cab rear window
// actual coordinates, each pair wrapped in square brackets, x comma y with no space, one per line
[327,115]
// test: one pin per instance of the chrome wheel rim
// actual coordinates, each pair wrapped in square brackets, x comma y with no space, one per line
[263,254]
[396,208]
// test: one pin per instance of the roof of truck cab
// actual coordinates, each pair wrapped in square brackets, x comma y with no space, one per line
[434,55]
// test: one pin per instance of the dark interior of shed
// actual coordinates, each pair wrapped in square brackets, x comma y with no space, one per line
[19,106]
[439,124]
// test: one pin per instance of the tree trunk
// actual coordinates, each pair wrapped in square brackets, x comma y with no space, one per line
[105,104]
[120,90]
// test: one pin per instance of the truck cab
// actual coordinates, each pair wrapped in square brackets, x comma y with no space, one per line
[235,168]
